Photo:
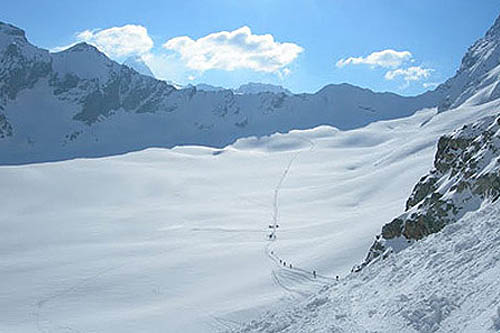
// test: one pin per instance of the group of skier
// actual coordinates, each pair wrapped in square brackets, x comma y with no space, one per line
[282,262]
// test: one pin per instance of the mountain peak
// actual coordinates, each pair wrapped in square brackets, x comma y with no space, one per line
[82,47]
[256,88]
[494,31]
[476,79]
[10,30]
[10,34]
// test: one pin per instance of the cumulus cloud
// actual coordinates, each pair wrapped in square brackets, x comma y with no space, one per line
[414,73]
[385,58]
[238,49]
[122,41]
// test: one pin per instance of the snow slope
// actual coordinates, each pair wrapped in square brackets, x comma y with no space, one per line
[445,283]
[466,174]
[177,240]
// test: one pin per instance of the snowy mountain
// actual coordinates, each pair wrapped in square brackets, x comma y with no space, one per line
[257,88]
[177,240]
[476,81]
[206,87]
[138,64]
[79,103]
[248,88]
[434,268]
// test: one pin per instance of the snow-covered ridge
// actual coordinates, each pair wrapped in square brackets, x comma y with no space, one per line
[257,88]
[466,175]
[476,80]
[248,88]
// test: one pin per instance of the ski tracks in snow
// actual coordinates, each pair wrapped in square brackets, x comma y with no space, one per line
[289,279]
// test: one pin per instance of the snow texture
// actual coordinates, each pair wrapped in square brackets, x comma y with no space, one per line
[178,240]
[183,239]
[446,283]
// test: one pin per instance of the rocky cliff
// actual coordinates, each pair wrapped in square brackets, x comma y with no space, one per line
[466,175]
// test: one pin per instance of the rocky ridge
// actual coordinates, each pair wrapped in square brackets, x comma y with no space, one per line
[465,176]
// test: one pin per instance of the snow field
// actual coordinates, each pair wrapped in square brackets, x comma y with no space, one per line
[176,240]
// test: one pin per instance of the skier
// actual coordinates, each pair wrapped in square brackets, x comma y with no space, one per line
[281,261]
[337,277]
[284,263]
[314,274]
[290,266]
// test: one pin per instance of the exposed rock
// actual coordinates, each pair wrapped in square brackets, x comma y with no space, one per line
[466,173]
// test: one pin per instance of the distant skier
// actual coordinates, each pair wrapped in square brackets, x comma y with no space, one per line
[314,274]
[337,277]
[284,263]
[281,261]
[290,266]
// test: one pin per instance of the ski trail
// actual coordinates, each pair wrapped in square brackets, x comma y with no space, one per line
[292,276]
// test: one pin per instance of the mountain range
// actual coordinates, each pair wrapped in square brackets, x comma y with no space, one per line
[178,239]
[80,103]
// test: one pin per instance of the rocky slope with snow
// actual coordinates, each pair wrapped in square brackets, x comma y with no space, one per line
[446,283]
[79,103]
[476,81]
[466,175]
[436,267]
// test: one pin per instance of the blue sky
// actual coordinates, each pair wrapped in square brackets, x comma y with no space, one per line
[400,45]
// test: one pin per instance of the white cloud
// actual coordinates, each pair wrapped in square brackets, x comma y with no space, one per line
[414,73]
[116,41]
[230,50]
[386,58]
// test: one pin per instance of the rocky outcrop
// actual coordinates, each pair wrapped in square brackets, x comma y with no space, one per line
[466,173]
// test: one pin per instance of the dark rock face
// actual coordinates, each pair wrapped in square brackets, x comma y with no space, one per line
[18,71]
[466,173]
